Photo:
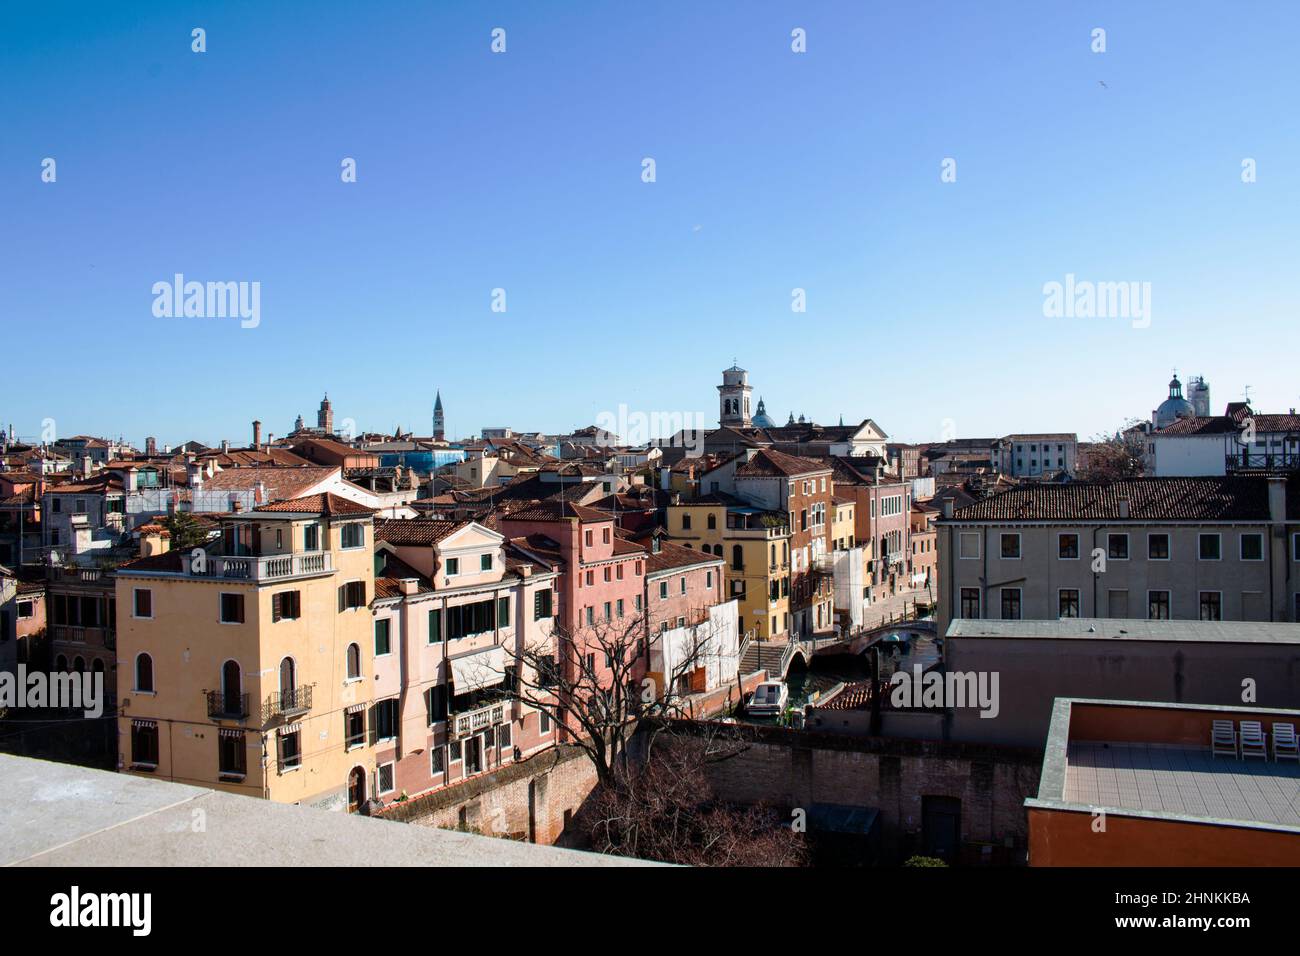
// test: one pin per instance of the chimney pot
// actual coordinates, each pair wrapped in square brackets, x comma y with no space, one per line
[257,434]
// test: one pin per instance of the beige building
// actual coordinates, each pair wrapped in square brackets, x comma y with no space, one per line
[1210,549]
[247,666]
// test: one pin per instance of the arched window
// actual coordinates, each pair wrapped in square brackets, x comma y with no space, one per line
[230,686]
[144,673]
[713,521]
[288,673]
[61,663]
[79,665]
[737,558]
[354,661]
[97,666]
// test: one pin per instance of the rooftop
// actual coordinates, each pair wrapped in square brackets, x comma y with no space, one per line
[1093,628]
[64,815]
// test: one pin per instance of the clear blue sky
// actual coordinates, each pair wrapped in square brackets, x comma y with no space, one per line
[523,171]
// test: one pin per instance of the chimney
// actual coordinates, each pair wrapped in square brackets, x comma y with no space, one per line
[259,493]
[409,585]
[257,434]
[1124,508]
[947,507]
[225,446]
[194,473]
[81,534]
[154,539]
[87,466]
[1277,499]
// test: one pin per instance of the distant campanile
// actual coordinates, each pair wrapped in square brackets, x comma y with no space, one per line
[438,430]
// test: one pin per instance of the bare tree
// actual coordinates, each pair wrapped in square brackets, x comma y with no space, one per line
[1115,457]
[664,809]
[596,684]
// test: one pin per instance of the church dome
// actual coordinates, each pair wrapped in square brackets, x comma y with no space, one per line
[761,419]
[1174,407]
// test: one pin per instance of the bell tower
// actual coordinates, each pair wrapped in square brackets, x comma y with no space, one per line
[733,398]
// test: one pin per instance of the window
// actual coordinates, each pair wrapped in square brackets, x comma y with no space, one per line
[383,637]
[437,760]
[1011,604]
[608,611]
[1010,545]
[1252,547]
[1295,547]
[354,662]
[503,612]
[465,620]
[286,606]
[453,567]
[968,544]
[290,749]
[970,603]
[354,535]
[354,728]
[144,742]
[25,609]
[1067,546]
[435,625]
[144,673]
[485,562]
[386,719]
[587,538]
[591,615]
[608,572]
[1068,603]
[712,521]
[737,558]
[503,735]
[591,578]
[1158,547]
[1210,551]
[686,522]
[543,722]
[1157,605]
[604,535]
[384,778]
[683,588]
[1117,546]
[232,608]
[1211,606]
[618,607]
[143,602]
[474,754]
[542,605]
[352,595]
[232,755]
[708,580]
[311,537]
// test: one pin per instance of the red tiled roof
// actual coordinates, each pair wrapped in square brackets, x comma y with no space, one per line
[416,531]
[326,503]
[390,572]
[282,482]
[1150,499]
[556,511]
[673,557]
[768,463]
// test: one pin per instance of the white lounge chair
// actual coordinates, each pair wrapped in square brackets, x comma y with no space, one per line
[1254,743]
[1285,744]
[1223,739]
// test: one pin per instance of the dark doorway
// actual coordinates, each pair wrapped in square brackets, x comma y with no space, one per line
[941,827]
[356,789]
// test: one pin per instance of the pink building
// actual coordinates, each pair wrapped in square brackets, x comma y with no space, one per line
[455,605]
[602,589]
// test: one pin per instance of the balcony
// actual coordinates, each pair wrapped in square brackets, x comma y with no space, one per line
[471,722]
[1280,460]
[288,703]
[267,567]
[223,706]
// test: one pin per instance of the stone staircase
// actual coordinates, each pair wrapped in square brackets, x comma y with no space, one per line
[764,655]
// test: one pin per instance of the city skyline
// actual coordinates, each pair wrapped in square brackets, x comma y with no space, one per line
[776,171]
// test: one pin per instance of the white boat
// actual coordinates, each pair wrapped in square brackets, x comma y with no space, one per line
[769,698]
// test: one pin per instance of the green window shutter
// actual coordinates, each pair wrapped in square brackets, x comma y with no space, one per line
[503,612]
[435,625]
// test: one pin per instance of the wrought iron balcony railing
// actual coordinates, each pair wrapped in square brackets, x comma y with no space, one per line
[288,703]
[223,706]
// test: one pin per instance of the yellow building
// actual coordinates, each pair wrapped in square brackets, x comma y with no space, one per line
[756,547]
[246,665]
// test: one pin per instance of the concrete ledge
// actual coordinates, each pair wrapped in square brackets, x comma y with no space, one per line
[63,815]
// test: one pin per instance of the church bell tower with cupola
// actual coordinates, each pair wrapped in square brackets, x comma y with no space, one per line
[733,398]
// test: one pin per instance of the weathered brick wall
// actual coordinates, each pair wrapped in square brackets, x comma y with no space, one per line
[532,800]
[790,769]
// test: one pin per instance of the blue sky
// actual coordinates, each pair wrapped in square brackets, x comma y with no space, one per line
[522,171]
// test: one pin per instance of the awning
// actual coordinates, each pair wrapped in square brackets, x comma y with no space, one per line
[485,668]
[290,729]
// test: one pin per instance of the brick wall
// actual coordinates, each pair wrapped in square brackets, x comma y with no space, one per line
[790,769]
[532,800]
